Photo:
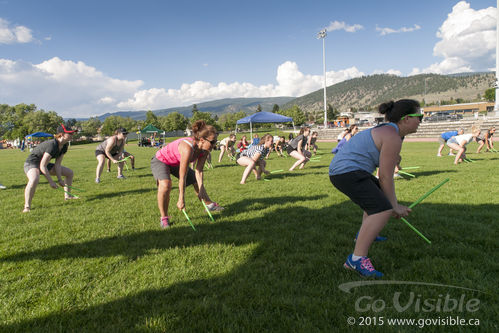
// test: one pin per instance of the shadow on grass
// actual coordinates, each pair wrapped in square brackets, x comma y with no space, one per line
[118,193]
[288,283]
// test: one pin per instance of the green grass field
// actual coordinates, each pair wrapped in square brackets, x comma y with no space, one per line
[271,262]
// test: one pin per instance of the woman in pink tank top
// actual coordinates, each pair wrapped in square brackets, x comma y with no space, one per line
[174,160]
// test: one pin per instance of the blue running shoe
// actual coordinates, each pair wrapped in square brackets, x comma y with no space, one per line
[377,239]
[362,266]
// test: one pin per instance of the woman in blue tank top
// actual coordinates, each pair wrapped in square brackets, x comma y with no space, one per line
[351,171]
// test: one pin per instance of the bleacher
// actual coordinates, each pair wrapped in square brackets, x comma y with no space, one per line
[426,129]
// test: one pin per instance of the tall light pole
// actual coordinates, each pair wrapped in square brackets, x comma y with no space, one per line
[322,35]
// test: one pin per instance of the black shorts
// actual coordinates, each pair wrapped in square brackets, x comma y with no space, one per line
[100,152]
[363,189]
[289,149]
[162,171]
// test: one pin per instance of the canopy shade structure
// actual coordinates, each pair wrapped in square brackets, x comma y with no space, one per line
[264,117]
[150,129]
[39,135]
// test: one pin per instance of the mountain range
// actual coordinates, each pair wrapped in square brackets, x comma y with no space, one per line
[217,107]
[363,93]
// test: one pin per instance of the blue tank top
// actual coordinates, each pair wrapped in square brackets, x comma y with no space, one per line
[359,153]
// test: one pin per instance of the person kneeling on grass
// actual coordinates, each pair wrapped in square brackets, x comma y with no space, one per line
[38,162]
[174,159]
[459,143]
[254,157]
[351,171]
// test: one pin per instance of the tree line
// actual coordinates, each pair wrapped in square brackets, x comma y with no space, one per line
[22,119]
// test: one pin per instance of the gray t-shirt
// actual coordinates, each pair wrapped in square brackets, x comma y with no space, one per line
[51,147]
[116,149]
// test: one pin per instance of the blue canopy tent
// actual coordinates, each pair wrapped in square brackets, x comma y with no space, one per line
[264,117]
[39,135]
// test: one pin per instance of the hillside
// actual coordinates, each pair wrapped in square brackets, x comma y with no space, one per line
[217,107]
[367,92]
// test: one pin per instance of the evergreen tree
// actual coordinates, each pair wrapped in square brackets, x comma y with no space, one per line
[194,109]
[275,108]
[490,94]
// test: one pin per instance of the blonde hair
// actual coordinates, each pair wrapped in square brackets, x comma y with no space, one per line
[264,138]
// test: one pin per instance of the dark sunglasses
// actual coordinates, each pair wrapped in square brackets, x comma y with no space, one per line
[212,142]
[413,115]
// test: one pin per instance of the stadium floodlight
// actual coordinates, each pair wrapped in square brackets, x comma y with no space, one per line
[322,35]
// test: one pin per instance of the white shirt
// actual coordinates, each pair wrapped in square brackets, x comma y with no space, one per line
[463,138]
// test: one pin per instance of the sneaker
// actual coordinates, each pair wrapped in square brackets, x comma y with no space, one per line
[438,155]
[108,170]
[165,222]
[121,177]
[377,239]
[362,266]
[451,154]
[2,187]
[214,207]
[97,180]
[397,175]
[71,197]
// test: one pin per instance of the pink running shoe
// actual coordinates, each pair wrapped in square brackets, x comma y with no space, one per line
[214,207]
[165,222]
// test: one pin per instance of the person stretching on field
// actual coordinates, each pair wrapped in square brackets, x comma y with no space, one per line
[38,162]
[227,145]
[174,159]
[351,171]
[311,143]
[253,158]
[486,140]
[459,143]
[296,148]
[112,148]
[444,137]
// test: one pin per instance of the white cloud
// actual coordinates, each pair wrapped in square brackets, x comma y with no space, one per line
[387,31]
[290,82]
[390,71]
[336,25]
[72,89]
[468,41]
[17,34]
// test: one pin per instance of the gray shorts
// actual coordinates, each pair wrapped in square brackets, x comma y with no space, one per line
[441,140]
[452,140]
[29,166]
[162,171]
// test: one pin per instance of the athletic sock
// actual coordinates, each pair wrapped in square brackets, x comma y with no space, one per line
[355,258]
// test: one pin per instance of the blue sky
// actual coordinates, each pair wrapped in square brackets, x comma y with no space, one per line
[83,58]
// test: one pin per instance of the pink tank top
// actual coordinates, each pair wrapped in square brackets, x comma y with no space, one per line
[170,154]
